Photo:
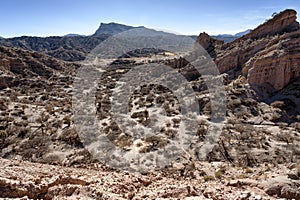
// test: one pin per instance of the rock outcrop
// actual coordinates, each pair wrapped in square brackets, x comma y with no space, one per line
[268,54]
[278,64]
[25,180]
[209,44]
[283,22]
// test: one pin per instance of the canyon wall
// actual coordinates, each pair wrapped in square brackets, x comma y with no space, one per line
[268,54]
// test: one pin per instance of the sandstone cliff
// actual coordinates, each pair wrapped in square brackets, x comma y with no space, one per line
[279,24]
[277,64]
[268,54]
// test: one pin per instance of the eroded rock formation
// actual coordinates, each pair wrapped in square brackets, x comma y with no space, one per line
[268,54]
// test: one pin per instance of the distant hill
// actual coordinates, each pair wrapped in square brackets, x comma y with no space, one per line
[240,34]
[74,47]
[113,28]
[66,48]
[226,37]
[72,35]
[229,37]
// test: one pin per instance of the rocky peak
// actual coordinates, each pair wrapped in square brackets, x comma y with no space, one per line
[209,43]
[113,28]
[284,21]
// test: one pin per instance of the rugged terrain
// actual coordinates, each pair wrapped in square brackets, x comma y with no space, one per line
[256,157]
[67,48]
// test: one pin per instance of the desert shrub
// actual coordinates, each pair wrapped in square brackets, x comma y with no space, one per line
[43,118]
[70,136]
[124,141]
[233,103]
[232,121]
[156,141]
[208,178]
[51,159]
[296,125]
[3,134]
[22,132]
[3,104]
[278,104]
[202,173]
[248,170]
[171,133]
[242,114]
[49,108]
[219,173]
[67,120]
[241,128]
[249,102]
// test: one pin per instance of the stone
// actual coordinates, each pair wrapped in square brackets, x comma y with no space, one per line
[282,187]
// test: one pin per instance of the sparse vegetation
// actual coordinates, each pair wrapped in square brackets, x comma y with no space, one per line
[67,120]
[248,170]
[219,173]
[208,178]
[3,134]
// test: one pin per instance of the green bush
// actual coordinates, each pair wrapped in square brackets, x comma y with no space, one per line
[3,134]
[219,173]
[202,173]
[208,178]
[68,121]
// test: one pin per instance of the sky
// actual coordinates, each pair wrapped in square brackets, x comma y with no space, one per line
[188,17]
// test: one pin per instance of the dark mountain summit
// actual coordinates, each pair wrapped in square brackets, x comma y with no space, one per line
[113,28]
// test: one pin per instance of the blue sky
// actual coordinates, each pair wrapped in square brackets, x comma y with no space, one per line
[60,17]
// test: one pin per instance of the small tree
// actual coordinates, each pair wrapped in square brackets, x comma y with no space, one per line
[3,134]
[274,14]
[68,121]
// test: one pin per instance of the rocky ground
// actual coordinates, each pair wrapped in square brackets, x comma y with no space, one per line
[256,156]
[215,180]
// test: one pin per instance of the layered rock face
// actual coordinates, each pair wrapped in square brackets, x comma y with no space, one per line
[280,23]
[277,64]
[268,54]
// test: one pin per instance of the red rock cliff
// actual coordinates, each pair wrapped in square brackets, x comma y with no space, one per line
[268,54]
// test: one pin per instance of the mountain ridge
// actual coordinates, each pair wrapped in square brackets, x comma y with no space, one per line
[113,28]
[74,47]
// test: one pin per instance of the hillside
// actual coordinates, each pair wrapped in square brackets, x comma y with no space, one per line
[73,48]
[46,154]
